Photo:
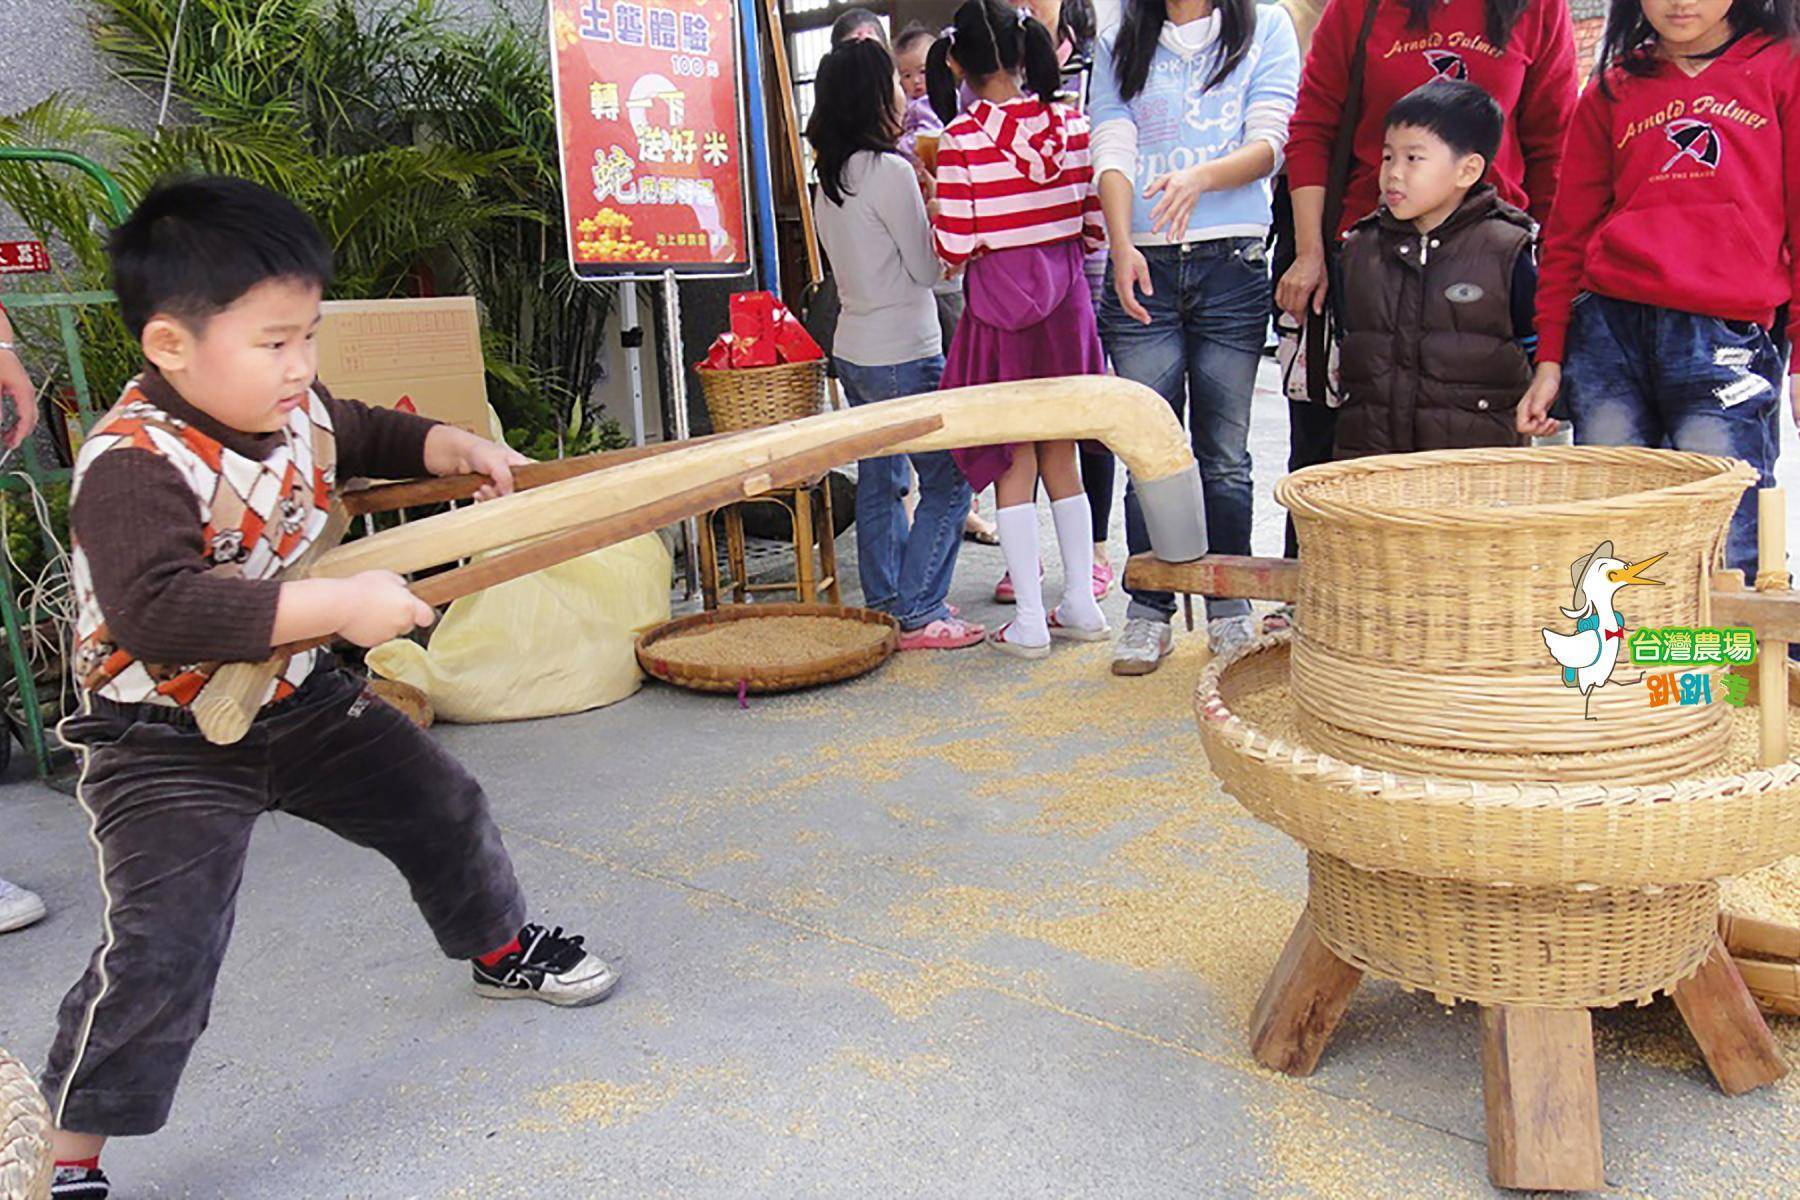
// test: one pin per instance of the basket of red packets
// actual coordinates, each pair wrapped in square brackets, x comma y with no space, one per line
[767,369]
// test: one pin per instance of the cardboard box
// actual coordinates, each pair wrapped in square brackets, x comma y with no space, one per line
[422,356]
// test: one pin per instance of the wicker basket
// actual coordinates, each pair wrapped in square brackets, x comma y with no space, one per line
[753,677]
[1545,947]
[1426,580]
[1520,833]
[751,397]
[1551,895]
[25,1159]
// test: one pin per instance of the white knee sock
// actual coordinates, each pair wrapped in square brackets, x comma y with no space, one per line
[1075,539]
[1019,543]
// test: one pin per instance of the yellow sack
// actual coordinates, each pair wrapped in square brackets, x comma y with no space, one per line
[557,641]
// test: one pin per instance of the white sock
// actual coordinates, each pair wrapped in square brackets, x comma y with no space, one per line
[1075,539]
[1019,543]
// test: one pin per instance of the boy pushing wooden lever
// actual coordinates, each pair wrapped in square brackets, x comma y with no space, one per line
[216,470]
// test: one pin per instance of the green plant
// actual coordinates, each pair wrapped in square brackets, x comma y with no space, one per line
[426,153]
[489,89]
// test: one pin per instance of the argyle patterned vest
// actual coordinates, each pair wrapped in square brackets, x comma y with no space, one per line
[258,517]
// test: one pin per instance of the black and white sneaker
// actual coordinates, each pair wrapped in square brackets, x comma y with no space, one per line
[79,1183]
[549,967]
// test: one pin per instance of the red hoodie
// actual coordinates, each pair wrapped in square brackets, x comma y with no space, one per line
[1680,192]
[1534,79]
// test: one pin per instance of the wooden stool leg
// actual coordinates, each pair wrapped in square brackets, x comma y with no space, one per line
[804,586]
[1722,1016]
[734,551]
[709,563]
[1301,1004]
[828,543]
[1543,1104]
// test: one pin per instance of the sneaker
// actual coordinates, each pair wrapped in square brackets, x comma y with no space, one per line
[950,633]
[1103,580]
[1230,636]
[1142,647]
[1075,633]
[999,641]
[79,1183]
[547,967]
[18,907]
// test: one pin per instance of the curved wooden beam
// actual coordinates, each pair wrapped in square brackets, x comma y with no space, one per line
[1130,418]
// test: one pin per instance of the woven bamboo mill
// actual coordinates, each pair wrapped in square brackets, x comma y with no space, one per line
[1484,822]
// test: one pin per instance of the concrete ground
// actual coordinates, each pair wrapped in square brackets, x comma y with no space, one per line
[965,927]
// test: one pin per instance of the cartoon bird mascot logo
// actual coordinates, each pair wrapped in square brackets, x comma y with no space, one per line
[1588,655]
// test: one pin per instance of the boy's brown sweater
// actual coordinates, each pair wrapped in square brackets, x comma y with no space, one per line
[167,575]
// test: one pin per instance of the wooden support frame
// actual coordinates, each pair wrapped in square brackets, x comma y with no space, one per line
[1722,1015]
[1301,1005]
[1542,1099]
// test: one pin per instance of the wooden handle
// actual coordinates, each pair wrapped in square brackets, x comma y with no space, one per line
[230,700]
[1129,417]
[386,497]
[1771,679]
[441,589]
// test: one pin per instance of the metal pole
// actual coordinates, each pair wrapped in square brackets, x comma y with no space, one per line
[633,338]
[678,395]
[760,171]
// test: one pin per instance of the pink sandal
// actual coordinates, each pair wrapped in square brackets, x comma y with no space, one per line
[947,633]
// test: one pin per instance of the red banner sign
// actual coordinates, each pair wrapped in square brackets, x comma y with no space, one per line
[647,116]
[24,258]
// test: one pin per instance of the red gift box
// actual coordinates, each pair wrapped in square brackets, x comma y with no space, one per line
[763,333]
[718,356]
[753,350]
[794,343]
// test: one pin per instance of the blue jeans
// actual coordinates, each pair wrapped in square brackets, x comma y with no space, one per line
[905,573]
[1641,376]
[1208,320]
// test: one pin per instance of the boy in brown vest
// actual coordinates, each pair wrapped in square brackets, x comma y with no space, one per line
[214,471]
[1438,287]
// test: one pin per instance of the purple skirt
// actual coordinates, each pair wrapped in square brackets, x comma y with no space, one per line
[1029,315]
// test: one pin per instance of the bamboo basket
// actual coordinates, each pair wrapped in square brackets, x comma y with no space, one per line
[751,397]
[25,1160]
[829,667]
[1425,582]
[1543,947]
[1520,832]
[1524,893]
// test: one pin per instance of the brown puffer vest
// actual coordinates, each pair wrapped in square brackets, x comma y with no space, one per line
[1430,360]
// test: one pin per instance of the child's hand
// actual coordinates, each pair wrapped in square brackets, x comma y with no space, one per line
[452,451]
[378,608]
[1794,399]
[1180,190]
[1533,414]
[1131,274]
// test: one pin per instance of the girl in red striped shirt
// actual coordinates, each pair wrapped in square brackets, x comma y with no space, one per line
[1016,207]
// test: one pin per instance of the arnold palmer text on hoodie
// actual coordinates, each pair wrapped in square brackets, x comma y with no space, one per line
[1680,192]
[1177,121]
[1533,76]
[1014,175]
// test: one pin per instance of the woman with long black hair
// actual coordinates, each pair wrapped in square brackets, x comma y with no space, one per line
[1190,101]
[873,223]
